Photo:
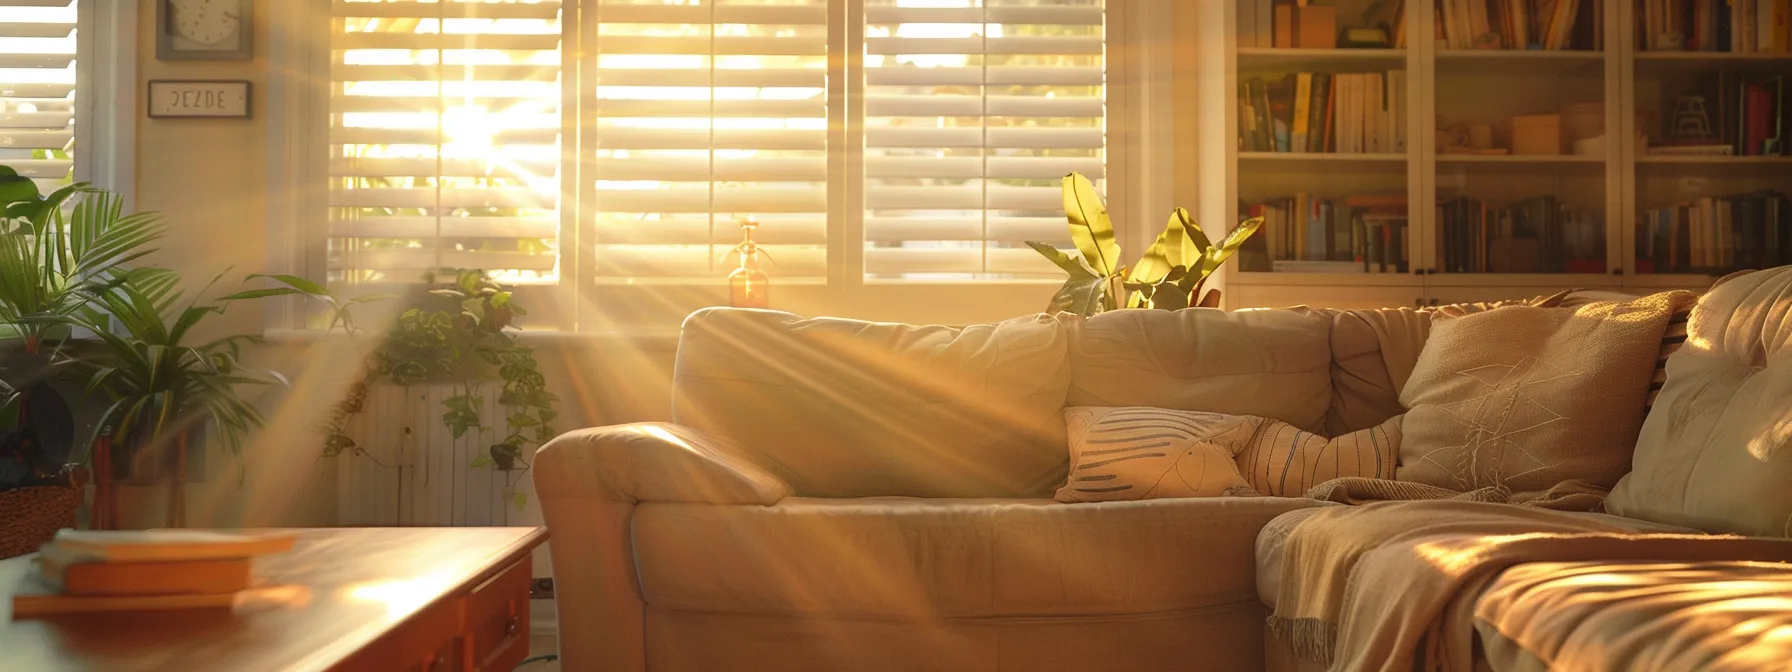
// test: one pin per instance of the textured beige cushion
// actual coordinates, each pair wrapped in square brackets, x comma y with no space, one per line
[843,408]
[1148,453]
[1527,398]
[1716,451]
[1281,461]
[1271,363]
[950,558]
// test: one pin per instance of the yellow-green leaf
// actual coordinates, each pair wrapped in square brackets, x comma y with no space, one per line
[1235,239]
[1090,227]
[1194,240]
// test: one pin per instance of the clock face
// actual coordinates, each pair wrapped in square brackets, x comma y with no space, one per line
[207,22]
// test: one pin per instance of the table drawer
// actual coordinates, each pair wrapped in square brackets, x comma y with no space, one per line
[498,619]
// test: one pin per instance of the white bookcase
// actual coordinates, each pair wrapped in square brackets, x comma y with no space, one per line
[1615,185]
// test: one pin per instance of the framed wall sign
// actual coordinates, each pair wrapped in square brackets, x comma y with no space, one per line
[203,30]
[219,99]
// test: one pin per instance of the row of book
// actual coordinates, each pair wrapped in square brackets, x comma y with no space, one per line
[1345,113]
[1534,235]
[1521,24]
[1742,115]
[1307,233]
[1741,26]
[1716,235]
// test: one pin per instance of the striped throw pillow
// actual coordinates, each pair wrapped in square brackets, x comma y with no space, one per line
[1150,453]
[1280,460]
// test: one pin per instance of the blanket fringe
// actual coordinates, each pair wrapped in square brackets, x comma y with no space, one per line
[1312,639]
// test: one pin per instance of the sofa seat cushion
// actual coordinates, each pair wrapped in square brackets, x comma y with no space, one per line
[943,558]
[1274,538]
[1637,616]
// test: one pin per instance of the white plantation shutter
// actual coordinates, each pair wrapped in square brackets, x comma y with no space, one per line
[444,138]
[974,112]
[37,89]
[705,112]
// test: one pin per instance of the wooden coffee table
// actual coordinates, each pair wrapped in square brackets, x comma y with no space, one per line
[342,599]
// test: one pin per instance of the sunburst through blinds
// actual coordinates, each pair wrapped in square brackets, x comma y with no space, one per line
[37,89]
[444,139]
[974,112]
[706,112]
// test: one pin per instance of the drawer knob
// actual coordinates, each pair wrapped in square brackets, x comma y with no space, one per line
[510,626]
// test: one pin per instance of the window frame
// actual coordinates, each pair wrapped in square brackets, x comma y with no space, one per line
[106,96]
[1138,114]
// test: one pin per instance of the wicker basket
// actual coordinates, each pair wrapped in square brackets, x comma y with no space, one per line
[33,515]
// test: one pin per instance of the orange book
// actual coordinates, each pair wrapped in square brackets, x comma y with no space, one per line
[115,579]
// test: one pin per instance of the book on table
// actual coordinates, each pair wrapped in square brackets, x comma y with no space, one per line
[87,571]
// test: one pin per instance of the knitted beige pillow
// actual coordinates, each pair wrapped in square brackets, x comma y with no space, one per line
[1529,398]
[1150,453]
[1281,461]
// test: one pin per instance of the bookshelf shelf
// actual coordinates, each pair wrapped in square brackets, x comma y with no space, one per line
[1266,278]
[1601,211]
[1282,158]
[1519,55]
[1521,159]
[1710,56]
[1703,161]
[1267,58]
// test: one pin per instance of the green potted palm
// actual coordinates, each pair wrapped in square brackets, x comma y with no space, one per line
[162,386]
[58,254]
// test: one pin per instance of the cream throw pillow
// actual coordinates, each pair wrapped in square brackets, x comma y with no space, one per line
[1529,398]
[1149,453]
[1152,453]
[1281,461]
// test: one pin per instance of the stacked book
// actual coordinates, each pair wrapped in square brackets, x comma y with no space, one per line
[1533,235]
[1346,113]
[1308,234]
[1747,116]
[1740,26]
[1521,24]
[1716,235]
[84,571]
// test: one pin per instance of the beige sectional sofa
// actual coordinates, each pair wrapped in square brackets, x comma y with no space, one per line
[840,495]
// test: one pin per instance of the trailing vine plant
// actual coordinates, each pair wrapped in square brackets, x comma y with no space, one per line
[455,332]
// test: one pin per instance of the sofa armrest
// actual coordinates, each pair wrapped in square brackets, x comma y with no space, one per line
[652,462]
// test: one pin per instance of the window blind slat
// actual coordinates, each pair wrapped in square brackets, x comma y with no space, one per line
[767,77]
[890,46]
[444,139]
[37,89]
[1087,16]
[796,45]
[697,15]
[448,227]
[1064,76]
[545,10]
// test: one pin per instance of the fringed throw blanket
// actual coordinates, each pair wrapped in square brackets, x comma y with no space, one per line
[1390,585]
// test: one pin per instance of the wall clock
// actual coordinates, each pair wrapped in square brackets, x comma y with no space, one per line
[203,30]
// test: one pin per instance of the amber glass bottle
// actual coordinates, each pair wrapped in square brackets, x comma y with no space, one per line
[748,285]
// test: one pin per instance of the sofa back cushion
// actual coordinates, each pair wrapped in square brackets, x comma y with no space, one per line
[1273,363]
[843,408]
[1716,449]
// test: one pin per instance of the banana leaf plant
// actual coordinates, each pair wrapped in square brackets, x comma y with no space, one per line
[163,387]
[1169,275]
